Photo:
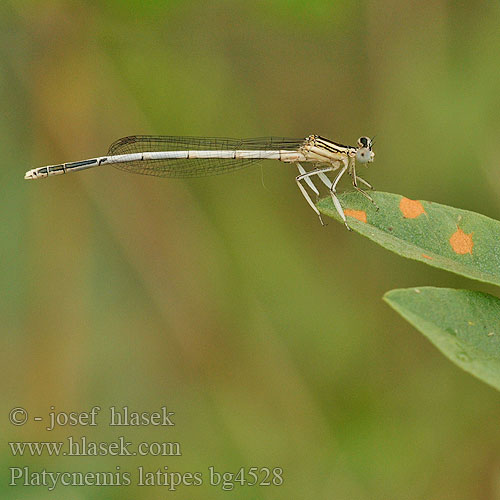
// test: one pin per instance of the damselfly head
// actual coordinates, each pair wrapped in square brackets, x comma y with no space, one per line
[364,153]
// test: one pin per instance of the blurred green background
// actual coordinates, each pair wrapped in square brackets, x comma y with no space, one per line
[224,298]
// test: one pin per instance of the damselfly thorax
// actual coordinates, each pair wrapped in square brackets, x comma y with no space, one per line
[168,156]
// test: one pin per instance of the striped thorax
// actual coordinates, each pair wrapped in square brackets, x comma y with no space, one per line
[322,150]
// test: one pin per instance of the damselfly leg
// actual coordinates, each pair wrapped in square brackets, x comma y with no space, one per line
[333,193]
[321,173]
[355,179]
[306,177]
[367,184]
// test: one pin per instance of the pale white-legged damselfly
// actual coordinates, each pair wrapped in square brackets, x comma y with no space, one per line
[166,156]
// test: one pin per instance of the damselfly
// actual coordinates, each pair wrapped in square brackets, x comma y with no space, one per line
[166,156]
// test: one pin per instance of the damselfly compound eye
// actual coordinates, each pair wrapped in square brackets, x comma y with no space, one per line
[365,142]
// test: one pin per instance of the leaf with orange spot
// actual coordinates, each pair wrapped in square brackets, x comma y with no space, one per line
[449,238]
[445,317]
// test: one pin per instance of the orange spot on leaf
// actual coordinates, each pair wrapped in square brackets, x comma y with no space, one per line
[357,214]
[411,209]
[461,242]
[426,256]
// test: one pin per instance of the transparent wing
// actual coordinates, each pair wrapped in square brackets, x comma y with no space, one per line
[193,167]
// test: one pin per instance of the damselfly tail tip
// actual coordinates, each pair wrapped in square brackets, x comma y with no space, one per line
[30,174]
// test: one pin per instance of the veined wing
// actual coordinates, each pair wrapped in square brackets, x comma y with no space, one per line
[194,167]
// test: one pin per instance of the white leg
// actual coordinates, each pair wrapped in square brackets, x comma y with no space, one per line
[364,193]
[320,172]
[332,187]
[306,177]
[356,178]
[333,193]
[309,182]
[367,184]
[353,175]
[325,179]
[317,172]
[307,197]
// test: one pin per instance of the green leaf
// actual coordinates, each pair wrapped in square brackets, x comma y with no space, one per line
[456,240]
[464,325]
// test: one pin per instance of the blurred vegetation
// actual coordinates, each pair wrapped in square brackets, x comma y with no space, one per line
[224,298]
